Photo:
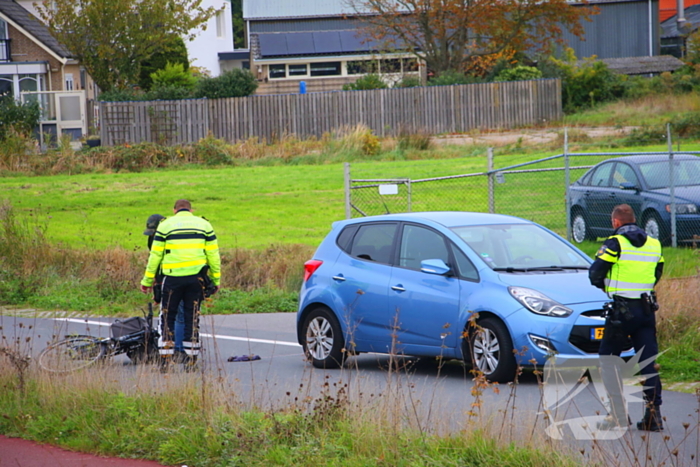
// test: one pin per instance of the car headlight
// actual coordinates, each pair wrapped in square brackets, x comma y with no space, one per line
[539,303]
[683,208]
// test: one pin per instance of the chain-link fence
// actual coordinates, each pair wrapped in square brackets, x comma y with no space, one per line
[662,187]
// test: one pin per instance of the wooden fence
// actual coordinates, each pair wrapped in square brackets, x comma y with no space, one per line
[436,109]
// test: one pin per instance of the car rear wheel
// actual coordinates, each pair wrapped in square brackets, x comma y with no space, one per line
[492,351]
[579,228]
[323,339]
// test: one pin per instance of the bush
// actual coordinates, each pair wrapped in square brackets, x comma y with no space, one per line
[366,82]
[448,78]
[167,93]
[587,84]
[174,75]
[175,51]
[121,95]
[409,82]
[233,83]
[19,117]
[518,73]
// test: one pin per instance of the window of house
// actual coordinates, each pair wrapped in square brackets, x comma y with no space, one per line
[278,71]
[3,29]
[362,67]
[6,85]
[409,65]
[299,69]
[392,65]
[28,83]
[70,85]
[220,24]
[325,69]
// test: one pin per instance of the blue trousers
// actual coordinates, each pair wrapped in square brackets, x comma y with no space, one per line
[642,330]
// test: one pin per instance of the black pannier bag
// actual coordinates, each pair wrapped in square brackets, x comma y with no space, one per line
[120,328]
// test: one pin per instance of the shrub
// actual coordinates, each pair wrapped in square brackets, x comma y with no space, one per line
[174,75]
[409,82]
[366,82]
[167,93]
[587,84]
[121,95]
[451,77]
[233,83]
[518,73]
[21,117]
[175,51]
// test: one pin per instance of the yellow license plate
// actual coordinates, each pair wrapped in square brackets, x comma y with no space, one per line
[596,334]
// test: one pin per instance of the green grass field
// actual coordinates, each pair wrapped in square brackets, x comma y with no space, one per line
[253,207]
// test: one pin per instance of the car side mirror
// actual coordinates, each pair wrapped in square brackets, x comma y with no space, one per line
[435,266]
[628,186]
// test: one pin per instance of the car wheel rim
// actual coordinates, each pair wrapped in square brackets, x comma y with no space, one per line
[579,229]
[652,228]
[319,338]
[486,351]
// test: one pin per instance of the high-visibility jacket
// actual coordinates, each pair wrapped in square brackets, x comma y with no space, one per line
[633,270]
[182,245]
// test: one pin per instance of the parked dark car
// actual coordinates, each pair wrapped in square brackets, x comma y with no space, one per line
[643,182]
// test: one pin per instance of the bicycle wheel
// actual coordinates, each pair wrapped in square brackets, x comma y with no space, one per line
[72,354]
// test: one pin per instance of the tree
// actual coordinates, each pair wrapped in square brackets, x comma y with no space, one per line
[239,39]
[447,34]
[173,51]
[111,38]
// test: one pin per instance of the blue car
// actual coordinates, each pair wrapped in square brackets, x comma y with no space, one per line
[642,182]
[495,291]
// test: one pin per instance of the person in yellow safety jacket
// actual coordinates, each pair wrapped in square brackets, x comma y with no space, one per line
[627,267]
[183,246]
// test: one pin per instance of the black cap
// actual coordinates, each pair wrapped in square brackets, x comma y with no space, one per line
[152,223]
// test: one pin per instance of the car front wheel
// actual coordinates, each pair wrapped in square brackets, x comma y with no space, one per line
[323,339]
[579,228]
[655,229]
[492,351]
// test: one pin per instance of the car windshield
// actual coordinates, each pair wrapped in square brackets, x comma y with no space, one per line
[521,247]
[656,174]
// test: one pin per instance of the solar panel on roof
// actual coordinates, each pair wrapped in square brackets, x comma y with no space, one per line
[272,45]
[300,43]
[351,42]
[327,42]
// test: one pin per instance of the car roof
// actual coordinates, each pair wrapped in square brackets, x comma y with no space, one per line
[447,218]
[639,158]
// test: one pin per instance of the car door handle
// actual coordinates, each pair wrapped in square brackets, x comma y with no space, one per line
[398,288]
[612,195]
[588,193]
[339,277]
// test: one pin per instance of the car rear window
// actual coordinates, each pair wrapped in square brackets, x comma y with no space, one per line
[344,240]
[374,242]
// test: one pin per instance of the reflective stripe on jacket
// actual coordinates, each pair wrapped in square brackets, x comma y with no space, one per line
[633,271]
[182,245]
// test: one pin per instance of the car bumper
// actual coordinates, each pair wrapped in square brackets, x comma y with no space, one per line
[574,337]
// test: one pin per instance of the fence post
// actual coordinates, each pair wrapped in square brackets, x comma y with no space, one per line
[408,185]
[491,175]
[674,240]
[567,182]
[348,213]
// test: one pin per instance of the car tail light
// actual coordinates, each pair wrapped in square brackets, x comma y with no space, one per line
[310,267]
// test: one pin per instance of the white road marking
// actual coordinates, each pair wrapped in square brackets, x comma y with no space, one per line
[215,336]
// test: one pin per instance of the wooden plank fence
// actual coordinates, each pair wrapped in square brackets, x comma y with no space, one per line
[436,109]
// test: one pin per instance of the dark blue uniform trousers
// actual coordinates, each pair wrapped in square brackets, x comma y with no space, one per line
[642,330]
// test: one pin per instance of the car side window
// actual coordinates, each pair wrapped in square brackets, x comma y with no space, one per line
[467,270]
[601,176]
[373,242]
[418,244]
[624,174]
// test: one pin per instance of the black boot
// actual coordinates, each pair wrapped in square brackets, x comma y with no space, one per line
[652,419]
